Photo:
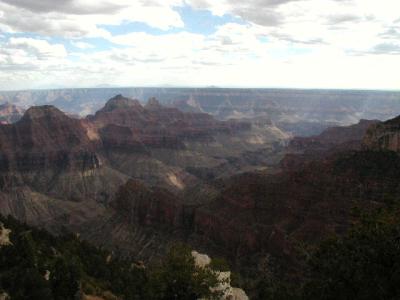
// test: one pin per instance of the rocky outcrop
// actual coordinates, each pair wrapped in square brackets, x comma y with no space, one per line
[45,138]
[228,292]
[384,136]
[331,140]
[157,126]
[333,137]
[153,104]
[53,155]
[4,236]
[120,102]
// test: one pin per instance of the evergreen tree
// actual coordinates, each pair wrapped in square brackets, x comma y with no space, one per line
[65,279]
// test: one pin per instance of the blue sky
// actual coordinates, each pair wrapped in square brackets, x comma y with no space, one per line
[254,43]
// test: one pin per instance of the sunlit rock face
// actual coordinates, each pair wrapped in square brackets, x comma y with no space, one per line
[229,292]
[4,236]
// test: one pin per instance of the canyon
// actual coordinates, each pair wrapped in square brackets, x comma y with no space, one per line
[59,171]
[140,177]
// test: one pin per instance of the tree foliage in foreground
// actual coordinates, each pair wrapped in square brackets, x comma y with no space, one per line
[365,264]
[362,265]
[40,266]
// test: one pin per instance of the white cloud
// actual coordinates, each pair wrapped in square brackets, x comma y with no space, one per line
[42,49]
[292,43]
[24,60]
[79,18]
[348,25]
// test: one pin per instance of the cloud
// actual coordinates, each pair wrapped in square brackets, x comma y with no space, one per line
[67,6]
[343,24]
[343,18]
[80,18]
[14,20]
[261,12]
[387,48]
[40,48]
[168,50]
[391,33]
[28,57]
[230,42]
[296,43]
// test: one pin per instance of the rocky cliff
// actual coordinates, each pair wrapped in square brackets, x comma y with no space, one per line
[384,136]
[331,140]
[332,137]
[45,139]
[48,155]
[155,125]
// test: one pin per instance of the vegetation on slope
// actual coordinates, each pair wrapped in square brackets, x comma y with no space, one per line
[37,265]
[364,264]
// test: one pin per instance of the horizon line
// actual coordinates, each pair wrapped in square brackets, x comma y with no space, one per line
[201,87]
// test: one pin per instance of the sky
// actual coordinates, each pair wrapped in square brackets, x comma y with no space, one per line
[348,44]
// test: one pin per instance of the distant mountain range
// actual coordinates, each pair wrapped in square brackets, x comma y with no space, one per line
[280,105]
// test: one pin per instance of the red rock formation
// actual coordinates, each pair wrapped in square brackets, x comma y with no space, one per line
[44,138]
[332,137]
[158,126]
[331,140]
